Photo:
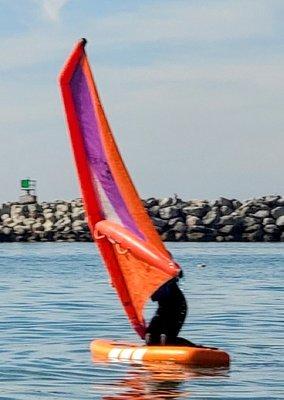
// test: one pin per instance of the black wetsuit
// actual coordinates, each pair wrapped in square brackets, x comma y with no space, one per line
[170,315]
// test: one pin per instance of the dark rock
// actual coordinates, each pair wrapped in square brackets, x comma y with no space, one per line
[225,210]
[180,227]
[169,236]
[173,221]
[272,229]
[223,202]
[200,229]
[248,221]
[158,222]
[227,220]
[277,212]
[151,202]
[236,204]
[253,228]
[268,221]
[169,212]
[226,229]
[154,211]
[268,238]
[195,211]
[253,237]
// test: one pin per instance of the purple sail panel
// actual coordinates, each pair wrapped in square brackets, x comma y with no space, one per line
[94,149]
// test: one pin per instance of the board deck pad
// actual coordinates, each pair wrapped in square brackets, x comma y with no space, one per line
[193,356]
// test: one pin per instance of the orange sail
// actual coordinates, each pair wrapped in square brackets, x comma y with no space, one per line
[136,259]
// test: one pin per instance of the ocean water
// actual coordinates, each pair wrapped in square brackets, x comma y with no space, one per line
[55,298]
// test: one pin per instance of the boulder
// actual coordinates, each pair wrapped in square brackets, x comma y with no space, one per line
[4,217]
[48,225]
[253,236]
[148,203]
[154,211]
[261,214]
[195,236]
[37,227]
[277,212]
[253,228]
[169,212]
[173,221]
[280,221]
[272,229]
[248,221]
[210,218]
[193,221]
[225,210]
[223,202]
[228,220]
[270,200]
[226,229]
[169,236]
[200,229]
[19,230]
[180,227]
[236,204]
[268,221]
[160,223]
[63,207]
[195,211]
[59,215]
[269,238]
[166,202]
[280,202]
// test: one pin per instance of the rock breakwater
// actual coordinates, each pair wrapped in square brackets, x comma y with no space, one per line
[259,219]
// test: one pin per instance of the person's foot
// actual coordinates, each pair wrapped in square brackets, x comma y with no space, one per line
[148,339]
[163,339]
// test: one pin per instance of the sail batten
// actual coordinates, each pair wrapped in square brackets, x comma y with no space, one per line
[144,264]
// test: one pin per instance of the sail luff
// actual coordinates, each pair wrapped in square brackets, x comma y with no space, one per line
[90,196]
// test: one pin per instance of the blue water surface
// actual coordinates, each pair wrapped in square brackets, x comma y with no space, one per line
[55,298]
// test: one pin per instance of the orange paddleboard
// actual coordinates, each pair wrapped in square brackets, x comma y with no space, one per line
[191,356]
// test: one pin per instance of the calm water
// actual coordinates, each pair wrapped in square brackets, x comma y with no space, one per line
[54,298]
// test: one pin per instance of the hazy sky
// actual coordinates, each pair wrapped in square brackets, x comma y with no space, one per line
[193,89]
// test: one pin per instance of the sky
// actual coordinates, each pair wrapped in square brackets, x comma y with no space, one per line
[193,90]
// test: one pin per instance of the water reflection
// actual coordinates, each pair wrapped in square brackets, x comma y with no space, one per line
[157,381]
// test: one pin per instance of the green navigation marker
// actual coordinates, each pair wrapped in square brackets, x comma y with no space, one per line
[25,183]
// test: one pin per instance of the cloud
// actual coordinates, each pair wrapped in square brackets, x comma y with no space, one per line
[186,21]
[52,8]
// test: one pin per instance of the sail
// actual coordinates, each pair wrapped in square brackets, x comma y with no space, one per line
[135,256]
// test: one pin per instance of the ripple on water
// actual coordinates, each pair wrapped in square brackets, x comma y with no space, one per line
[55,297]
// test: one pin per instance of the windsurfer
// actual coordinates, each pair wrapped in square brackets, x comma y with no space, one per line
[169,317]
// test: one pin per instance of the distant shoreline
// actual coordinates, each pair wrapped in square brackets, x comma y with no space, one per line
[176,220]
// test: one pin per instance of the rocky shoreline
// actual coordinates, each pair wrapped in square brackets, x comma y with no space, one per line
[222,220]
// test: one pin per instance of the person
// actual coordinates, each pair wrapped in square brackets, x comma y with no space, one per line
[169,317]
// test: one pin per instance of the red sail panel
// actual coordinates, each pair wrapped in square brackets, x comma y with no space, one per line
[108,192]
